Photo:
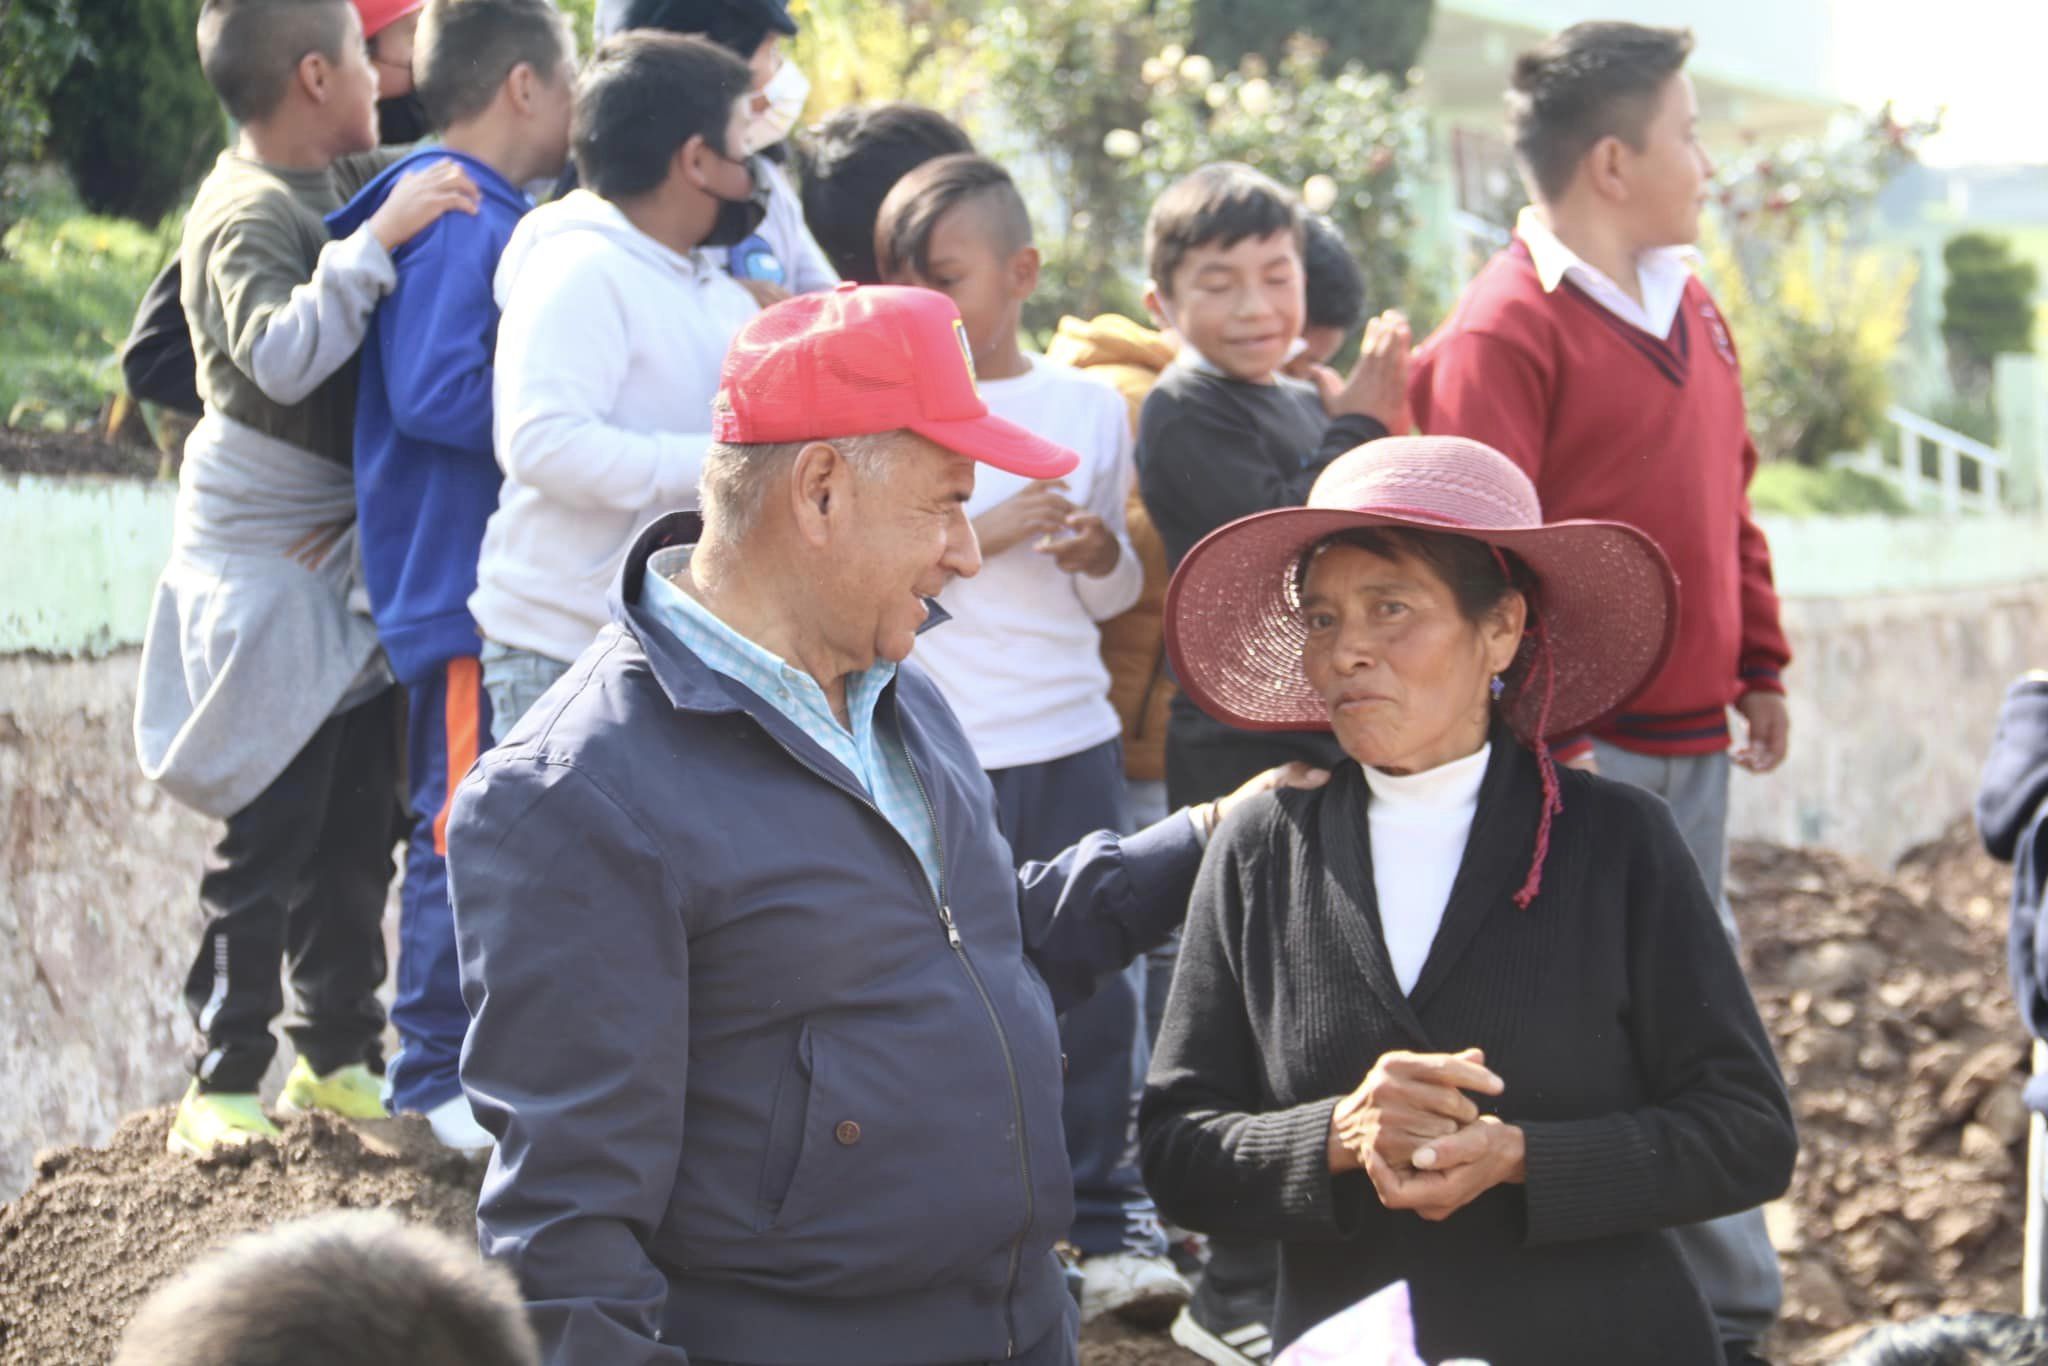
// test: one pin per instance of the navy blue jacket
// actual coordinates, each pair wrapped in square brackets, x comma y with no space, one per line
[2013,819]
[426,478]
[759,1095]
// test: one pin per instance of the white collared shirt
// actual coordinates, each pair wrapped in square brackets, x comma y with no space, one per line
[1660,275]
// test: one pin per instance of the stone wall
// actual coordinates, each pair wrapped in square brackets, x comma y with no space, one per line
[97,912]
[1894,699]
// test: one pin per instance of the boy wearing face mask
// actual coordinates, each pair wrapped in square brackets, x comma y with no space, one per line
[613,330]
[782,257]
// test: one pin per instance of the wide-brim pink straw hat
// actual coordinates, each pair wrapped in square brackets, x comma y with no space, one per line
[1606,596]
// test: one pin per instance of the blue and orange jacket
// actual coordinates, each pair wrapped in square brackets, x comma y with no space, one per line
[426,479]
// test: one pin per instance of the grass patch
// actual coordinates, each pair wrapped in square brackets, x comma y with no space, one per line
[69,283]
[1793,490]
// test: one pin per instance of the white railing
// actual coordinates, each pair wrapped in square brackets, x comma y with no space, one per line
[1935,467]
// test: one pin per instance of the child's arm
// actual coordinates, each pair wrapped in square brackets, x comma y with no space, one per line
[290,334]
[1106,595]
[436,344]
[562,361]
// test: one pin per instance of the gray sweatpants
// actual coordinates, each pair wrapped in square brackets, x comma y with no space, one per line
[1732,1257]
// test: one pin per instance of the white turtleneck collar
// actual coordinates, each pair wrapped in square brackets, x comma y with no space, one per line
[1419,824]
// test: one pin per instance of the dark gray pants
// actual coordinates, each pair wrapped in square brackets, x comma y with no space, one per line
[1732,1257]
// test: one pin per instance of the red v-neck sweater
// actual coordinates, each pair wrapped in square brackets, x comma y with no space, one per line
[1609,422]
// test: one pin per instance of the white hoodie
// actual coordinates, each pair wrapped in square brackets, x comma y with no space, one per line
[609,351]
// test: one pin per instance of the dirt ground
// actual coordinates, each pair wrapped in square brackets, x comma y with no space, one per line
[1886,998]
[57,453]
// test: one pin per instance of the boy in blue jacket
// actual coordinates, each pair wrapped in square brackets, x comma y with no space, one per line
[496,77]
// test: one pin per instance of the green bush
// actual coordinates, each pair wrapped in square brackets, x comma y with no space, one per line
[1380,35]
[39,41]
[1987,307]
[69,283]
[1803,491]
[136,123]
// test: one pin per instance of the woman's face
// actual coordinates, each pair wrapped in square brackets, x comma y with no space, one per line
[1405,676]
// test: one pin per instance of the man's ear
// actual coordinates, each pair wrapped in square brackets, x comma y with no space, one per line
[817,490]
[1025,267]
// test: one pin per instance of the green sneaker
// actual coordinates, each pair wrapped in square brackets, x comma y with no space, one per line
[353,1092]
[212,1119]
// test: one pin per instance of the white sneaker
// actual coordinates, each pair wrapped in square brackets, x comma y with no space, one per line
[457,1128]
[1138,1289]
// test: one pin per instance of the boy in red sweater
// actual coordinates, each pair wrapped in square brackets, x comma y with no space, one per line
[1589,353]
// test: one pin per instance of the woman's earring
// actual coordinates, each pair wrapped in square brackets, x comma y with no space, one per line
[1498,687]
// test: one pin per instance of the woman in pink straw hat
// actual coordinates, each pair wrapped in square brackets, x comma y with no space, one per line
[1456,1018]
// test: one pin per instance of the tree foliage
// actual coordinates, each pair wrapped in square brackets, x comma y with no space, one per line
[1817,318]
[39,40]
[1987,306]
[135,121]
[1380,35]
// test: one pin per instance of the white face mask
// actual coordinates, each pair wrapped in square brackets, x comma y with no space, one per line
[786,92]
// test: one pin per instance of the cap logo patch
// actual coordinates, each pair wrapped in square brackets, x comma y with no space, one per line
[966,352]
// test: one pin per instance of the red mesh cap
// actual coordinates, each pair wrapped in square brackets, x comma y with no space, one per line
[1605,593]
[862,359]
[379,15]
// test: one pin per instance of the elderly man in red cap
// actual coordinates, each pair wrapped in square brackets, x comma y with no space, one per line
[762,1012]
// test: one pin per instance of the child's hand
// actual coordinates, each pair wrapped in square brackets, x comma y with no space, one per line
[1378,387]
[418,199]
[1090,550]
[1038,510]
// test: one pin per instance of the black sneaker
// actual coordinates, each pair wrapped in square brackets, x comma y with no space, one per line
[1225,1328]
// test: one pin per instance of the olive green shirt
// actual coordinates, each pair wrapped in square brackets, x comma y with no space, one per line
[278,308]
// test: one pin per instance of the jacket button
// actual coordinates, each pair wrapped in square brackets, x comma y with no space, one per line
[847,1132]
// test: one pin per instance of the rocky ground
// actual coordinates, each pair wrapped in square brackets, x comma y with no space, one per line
[62,453]
[1886,997]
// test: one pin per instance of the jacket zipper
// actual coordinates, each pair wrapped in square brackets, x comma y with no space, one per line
[959,948]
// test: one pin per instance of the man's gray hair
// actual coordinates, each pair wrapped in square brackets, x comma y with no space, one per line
[737,479]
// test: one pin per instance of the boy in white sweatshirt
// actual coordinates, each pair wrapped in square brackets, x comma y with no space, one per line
[1019,659]
[614,329]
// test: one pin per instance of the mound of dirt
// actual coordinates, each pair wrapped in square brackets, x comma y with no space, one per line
[1888,1003]
[102,1227]
[1886,998]
[66,453]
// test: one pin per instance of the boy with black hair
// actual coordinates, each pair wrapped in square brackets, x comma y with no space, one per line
[1590,355]
[263,698]
[1224,434]
[848,164]
[1019,659]
[1335,294]
[609,347]
[496,78]
[337,1289]
[782,258]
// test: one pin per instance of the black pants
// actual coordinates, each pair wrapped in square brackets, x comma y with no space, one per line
[299,879]
[1205,760]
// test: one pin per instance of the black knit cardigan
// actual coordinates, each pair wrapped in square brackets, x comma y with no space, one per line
[1613,1008]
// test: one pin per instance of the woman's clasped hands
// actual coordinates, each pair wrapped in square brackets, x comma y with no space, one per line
[1420,1139]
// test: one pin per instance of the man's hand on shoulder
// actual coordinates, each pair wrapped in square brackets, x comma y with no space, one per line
[1209,815]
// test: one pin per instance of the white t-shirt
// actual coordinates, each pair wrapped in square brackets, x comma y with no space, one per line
[1021,659]
[1420,823]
